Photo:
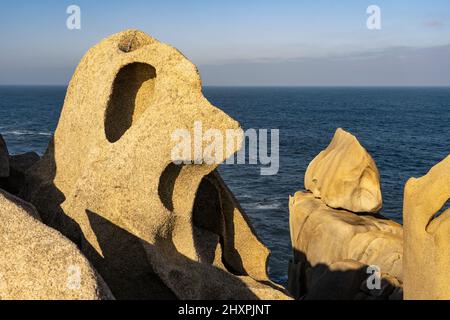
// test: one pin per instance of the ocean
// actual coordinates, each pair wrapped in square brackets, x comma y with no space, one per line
[406,130]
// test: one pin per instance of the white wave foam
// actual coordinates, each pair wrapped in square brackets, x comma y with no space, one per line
[26,133]
[269,206]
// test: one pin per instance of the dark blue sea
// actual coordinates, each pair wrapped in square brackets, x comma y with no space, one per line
[406,130]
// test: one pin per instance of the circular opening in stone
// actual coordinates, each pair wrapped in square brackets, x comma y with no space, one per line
[132,94]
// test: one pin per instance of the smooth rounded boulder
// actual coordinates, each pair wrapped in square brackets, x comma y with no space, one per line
[345,176]
[39,263]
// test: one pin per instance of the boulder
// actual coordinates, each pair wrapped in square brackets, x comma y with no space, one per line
[345,176]
[4,161]
[427,237]
[18,165]
[322,236]
[39,263]
[153,225]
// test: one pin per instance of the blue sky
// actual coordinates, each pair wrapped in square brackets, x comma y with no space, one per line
[245,42]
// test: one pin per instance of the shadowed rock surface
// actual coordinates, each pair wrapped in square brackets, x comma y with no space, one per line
[349,280]
[4,161]
[39,263]
[18,166]
[345,176]
[427,237]
[108,180]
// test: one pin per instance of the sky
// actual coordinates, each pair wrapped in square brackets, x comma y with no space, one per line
[241,43]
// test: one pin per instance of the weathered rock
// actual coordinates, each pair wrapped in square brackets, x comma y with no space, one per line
[345,176]
[427,237]
[18,165]
[108,180]
[349,280]
[322,236]
[4,161]
[341,280]
[38,262]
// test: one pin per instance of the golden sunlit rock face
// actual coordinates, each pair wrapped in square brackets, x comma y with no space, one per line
[427,236]
[324,238]
[336,236]
[333,246]
[345,176]
[152,229]
[38,262]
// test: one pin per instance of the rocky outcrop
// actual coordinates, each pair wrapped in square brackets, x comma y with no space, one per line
[18,165]
[339,243]
[153,228]
[4,161]
[427,256]
[323,237]
[345,176]
[38,262]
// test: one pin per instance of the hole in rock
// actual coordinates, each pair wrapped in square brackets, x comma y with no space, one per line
[129,43]
[167,184]
[207,213]
[443,209]
[207,218]
[132,94]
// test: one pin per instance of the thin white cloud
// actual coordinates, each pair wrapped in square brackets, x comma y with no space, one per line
[434,24]
[396,66]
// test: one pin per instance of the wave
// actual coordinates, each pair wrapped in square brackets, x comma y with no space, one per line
[268,206]
[26,133]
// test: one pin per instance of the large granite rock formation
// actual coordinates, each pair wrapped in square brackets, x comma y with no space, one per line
[323,237]
[427,237]
[38,262]
[152,228]
[345,176]
[336,247]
